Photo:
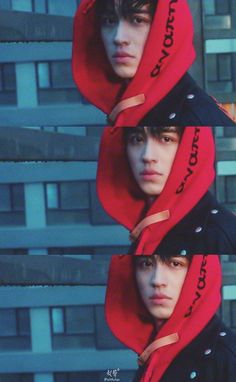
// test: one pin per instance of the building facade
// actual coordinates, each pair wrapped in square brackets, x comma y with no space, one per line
[48,203]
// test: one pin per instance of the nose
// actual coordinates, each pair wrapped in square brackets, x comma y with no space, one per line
[121,34]
[150,152]
[158,276]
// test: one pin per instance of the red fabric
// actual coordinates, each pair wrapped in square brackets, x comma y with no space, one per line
[171,37]
[131,323]
[122,199]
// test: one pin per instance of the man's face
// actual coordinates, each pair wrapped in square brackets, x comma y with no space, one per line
[151,156]
[160,282]
[124,38]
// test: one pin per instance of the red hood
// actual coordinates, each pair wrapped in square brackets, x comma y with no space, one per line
[191,176]
[168,54]
[132,324]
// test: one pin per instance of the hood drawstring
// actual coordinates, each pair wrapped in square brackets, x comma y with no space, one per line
[157,344]
[125,104]
[152,219]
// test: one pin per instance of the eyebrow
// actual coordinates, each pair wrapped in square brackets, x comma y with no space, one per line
[171,129]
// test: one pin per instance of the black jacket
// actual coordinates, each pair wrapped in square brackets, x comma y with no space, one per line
[209,228]
[187,105]
[210,357]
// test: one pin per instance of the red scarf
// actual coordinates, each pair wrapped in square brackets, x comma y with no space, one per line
[167,56]
[191,176]
[132,324]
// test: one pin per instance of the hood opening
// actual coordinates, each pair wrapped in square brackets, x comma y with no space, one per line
[133,325]
[167,56]
[191,176]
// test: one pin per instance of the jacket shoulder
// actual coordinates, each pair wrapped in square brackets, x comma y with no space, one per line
[223,223]
[187,105]
[204,110]
[228,342]
[225,356]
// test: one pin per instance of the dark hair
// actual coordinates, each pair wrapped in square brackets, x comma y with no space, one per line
[126,6]
[155,131]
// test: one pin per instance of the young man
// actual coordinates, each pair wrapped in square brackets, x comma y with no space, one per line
[155,182]
[130,59]
[164,308]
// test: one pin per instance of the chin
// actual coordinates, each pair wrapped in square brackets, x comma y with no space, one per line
[161,315]
[152,192]
[125,73]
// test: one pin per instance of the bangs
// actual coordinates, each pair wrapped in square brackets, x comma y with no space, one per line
[126,7]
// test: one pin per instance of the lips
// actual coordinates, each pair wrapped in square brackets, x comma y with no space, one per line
[122,58]
[150,175]
[122,55]
[159,299]
[150,172]
[159,296]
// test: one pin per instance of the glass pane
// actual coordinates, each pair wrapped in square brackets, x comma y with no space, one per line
[27,378]
[211,65]
[40,6]
[1,82]
[5,4]
[74,195]
[60,377]
[222,7]
[9,76]
[220,87]
[225,67]
[230,187]
[7,322]
[233,313]
[79,320]
[22,5]
[52,195]
[62,75]
[57,320]
[5,199]
[209,7]
[23,322]
[43,75]
[64,8]
[16,377]
[217,22]
[81,131]
[18,197]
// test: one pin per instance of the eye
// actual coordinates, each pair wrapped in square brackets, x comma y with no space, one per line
[141,19]
[138,20]
[176,263]
[135,139]
[145,264]
[169,138]
[108,20]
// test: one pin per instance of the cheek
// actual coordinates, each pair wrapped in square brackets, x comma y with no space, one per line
[132,156]
[180,283]
[142,285]
[170,158]
[105,39]
[142,39]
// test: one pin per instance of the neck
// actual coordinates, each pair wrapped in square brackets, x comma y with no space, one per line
[159,323]
[150,200]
